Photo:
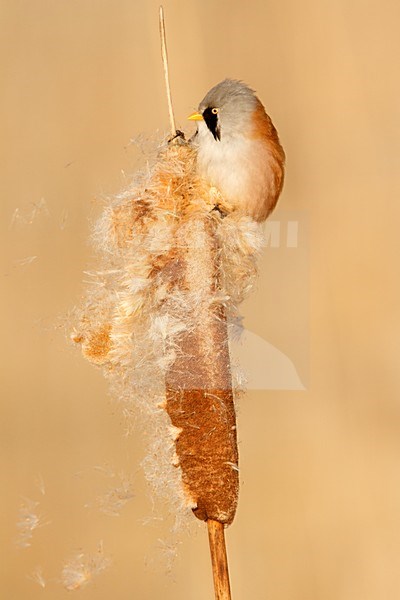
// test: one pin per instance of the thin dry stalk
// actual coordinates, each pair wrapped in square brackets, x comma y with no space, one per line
[164,55]
[219,561]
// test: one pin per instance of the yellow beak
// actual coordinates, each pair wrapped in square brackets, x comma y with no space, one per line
[196,117]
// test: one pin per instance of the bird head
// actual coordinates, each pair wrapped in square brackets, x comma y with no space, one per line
[225,110]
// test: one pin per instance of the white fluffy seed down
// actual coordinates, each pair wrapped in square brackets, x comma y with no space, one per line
[131,321]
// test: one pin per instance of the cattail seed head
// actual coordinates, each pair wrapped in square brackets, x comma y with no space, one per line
[156,318]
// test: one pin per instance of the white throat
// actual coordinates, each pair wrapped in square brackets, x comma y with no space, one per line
[224,163]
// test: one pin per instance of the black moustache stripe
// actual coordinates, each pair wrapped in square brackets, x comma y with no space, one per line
[212,122]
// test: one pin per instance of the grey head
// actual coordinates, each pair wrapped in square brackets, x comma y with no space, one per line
[227,108]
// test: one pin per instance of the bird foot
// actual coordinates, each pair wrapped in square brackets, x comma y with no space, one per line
[218,202]
[178,138]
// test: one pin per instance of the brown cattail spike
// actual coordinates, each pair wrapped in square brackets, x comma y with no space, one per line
[199,382]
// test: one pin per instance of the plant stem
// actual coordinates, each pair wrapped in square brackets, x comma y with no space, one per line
[166,72]
[216,538]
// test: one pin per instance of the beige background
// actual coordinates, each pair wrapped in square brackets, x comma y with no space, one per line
[319,513]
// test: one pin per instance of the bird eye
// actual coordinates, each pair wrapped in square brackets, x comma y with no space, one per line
[214,111]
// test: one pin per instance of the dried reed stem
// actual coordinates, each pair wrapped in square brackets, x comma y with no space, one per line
[216,538]
[166,72]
